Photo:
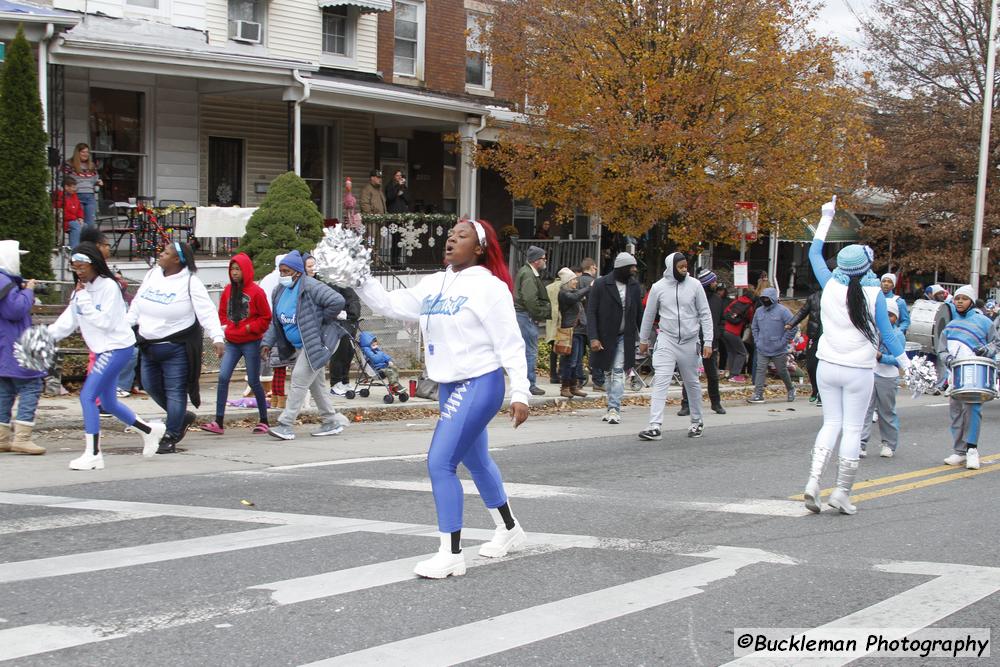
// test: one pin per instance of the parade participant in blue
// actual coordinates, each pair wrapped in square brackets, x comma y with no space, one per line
[471,335]
[969,334]
[888,289]
[98,310]
[684,319]
[853,313]
[883,401]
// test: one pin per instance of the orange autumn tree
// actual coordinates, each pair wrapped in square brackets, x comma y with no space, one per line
[646,111]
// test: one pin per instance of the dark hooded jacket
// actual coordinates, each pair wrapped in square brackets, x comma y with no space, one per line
[253,312]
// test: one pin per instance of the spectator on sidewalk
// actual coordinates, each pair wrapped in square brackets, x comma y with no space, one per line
[588,274]
[174,313]
[709,280]
[532,306]
[83,169]
[245,316]
[736,317]
[771,339]
[684,335]
[397,194]
[814,329]
[551,325]
[572,315]
[17,296]
[614,313]
[371,199]
[304,326]
[73,217]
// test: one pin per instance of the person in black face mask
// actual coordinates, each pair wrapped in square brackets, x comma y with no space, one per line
[614,311]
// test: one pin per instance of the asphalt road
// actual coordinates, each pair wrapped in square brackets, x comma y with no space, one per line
[640,553]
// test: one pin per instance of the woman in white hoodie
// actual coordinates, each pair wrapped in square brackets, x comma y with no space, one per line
[98,310]
[470,333]
[172,307]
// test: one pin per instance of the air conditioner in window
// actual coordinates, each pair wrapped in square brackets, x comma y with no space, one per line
[247,31]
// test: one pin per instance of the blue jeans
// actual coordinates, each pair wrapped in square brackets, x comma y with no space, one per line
[127,375]
[100,384]
[571,368]
[73,235]
[251,353]
[529,332]
[617,389]
[27,390]
[89,203]
[164,377]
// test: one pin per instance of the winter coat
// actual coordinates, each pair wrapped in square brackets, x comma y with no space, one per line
[769,333]
[258,318]
[571,312]
[316,316]
[811,310]
[530,295]
[15,317]
[371,200]
[71,207]
[377,358]
[551,324]
[604,319]
[715,306]
[397,198]
[682,308]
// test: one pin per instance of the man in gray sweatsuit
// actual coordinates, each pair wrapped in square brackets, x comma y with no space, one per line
[680,303]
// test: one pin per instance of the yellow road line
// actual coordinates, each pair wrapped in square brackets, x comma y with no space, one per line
[941,479]
[913,474]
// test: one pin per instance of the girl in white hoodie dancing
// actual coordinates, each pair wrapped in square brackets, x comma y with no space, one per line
[470,333]
[854,314]
[98,310]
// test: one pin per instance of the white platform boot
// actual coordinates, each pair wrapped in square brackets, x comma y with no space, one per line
[442,564]
[504,541]
[820,456]
[840,499]
[92,458]
[151,440]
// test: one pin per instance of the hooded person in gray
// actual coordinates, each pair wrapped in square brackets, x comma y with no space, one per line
[771,339]
[682,307]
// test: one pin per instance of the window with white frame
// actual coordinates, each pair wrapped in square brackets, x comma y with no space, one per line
[478,72]
[409,31]
[338,32]
[147,4]
[246,20]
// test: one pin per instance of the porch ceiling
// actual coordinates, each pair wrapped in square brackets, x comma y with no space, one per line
[394,104]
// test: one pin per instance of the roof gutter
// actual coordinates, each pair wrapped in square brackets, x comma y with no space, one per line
[306,92]
[43,72]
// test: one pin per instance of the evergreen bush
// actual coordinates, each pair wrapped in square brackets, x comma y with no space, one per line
[286,220]
[25,204]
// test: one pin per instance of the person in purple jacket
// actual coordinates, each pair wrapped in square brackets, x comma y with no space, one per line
[17,296]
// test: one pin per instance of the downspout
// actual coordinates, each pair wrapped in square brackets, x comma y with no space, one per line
[297,119]
[474,186]
[43,73]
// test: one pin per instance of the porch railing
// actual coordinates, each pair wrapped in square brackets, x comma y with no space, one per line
[558,252]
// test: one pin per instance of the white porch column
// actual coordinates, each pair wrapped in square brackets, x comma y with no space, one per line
[468,174]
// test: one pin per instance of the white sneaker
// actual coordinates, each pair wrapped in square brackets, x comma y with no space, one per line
[504,541]
[88,461]
[886,452]
[442,564]
[956,459]
[972,458]
[612,417]
[151,440]
[863,453]
[340,389]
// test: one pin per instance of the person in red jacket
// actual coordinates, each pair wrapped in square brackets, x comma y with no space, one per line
[72,209]
[735,318]
[245,316]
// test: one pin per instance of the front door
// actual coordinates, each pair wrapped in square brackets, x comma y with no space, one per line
[225,171]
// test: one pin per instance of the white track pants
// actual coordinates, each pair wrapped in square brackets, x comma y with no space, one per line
[846,393]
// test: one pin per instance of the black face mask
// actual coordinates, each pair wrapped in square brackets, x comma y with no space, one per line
[623,273]
[678,258]
[766,301]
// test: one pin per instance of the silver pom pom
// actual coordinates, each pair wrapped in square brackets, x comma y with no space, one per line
[342,257]
[921,376]
[35,350]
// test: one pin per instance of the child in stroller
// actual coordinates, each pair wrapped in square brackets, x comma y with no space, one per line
[378,366]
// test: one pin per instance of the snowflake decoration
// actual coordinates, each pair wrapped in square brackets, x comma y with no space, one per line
[409,239]
[430,242]
[439,231]
[393,228]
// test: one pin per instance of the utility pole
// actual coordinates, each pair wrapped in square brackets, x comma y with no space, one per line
[984,146]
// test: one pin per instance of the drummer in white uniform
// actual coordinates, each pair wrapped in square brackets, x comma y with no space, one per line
[970,334]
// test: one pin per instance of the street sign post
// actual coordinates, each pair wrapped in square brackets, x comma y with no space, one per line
[746,216]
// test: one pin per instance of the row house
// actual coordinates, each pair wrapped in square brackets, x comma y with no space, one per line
[206,102]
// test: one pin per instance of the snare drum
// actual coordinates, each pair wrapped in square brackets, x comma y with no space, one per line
[974,380]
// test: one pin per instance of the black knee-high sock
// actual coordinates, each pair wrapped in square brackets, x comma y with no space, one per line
[971,445]
[141,425]
[508,518]
[456,542]
[97,444]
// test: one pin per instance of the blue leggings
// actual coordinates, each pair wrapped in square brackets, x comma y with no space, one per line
[460,437]
[102,383]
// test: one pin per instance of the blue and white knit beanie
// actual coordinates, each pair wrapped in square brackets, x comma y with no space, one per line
[706,277]
[855,259]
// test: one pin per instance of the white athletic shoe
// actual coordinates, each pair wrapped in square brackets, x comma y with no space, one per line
[340,388]
[442,564]
[972,458]
[151,440]
[88,460]
[504,541]
[886,452]
[612,417]
[956,459]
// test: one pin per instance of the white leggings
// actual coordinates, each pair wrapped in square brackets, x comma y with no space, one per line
[846,392]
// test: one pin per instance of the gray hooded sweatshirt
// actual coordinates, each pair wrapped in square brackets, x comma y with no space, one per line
[681,306]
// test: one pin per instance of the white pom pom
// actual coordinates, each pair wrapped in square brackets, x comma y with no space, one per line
[35,350]
[342,258]
[921,376]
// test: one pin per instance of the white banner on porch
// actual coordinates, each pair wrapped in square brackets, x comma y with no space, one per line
[221,221]
[741,276]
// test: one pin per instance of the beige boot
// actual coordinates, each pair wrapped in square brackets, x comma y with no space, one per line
[22,440]
[5,436]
